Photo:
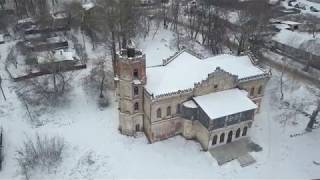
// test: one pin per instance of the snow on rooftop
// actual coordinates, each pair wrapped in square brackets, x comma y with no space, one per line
[190,104]
[224,103]
[25,20]
[88,6]
[290,22]
[300,40]
[58,56]
[186,69]
[1,38]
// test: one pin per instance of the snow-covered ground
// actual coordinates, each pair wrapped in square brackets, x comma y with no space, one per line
[91,134]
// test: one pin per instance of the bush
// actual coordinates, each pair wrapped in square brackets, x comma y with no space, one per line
[40,154]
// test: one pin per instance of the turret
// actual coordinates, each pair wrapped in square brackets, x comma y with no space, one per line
[130,81]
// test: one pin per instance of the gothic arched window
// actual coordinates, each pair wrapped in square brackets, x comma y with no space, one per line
[135,91]
[159,113]
[238,133]
[178,109]
[252,91]
[222,138]
[136,106]
[169,111]
[214,140]
[260,90]
[244,132]
[135,73]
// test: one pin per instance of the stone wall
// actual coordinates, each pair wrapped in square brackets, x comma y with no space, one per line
[301,55]
[201,134]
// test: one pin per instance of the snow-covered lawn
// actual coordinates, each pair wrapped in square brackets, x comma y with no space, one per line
[95,149]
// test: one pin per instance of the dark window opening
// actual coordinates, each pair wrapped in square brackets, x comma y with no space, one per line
[260,90]
[136,91]
[214,140]
[252,91]
[244,132]
[137,127]
[222,138]
[178,109]
[238,133]
[229,137]
[136,106]
[159,113]
[168,110]
[215,86]
[136,73]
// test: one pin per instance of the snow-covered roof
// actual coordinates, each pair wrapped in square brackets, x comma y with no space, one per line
[59,15]
[290,22]
[87,6]
[299,40]
[57,56]
[190,104]
[25,20]
[186,69]
[224,103]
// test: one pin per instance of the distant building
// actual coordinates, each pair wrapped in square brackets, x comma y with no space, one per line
[1,38]
[212,100]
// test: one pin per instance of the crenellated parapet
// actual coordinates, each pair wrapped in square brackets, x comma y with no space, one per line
[123,56]
[172,94]
[218,80]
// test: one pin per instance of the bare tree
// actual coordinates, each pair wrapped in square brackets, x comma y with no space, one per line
[4,97]
[99,82]
[283,66]
[313,118]
[44,154]
[313,24]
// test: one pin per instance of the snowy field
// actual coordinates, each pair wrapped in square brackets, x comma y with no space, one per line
[95,149]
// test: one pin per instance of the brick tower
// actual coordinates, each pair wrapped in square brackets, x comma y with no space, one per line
[130,79]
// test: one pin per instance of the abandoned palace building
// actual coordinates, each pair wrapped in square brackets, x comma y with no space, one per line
[212,100]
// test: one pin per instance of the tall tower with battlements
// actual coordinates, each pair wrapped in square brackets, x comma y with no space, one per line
[130,70]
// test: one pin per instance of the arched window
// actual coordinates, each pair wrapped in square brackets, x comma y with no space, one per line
[136,73]
[252,91]
[238,133]
[229,137]
[260,90]
[244,132]
[222,138]
[136,106]
[214,140]
[159,113]
[135,91]
[169,111]
[178,109]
